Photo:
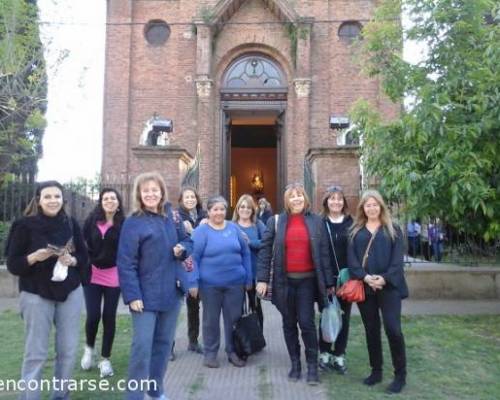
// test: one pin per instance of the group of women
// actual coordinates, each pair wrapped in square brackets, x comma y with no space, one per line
[158,255]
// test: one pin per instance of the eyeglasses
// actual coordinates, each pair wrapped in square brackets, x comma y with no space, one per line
[335,188]
[294,185]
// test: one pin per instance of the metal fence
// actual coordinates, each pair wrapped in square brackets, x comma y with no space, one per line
[81,197]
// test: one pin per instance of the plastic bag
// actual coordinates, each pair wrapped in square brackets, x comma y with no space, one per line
[331,320]
[60,272]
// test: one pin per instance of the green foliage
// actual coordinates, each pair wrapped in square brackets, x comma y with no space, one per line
[441,157]
[23,87]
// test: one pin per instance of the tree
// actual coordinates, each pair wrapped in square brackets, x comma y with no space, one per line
[23,88]
[441,156]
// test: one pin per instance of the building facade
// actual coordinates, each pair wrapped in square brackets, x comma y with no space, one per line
[249,86]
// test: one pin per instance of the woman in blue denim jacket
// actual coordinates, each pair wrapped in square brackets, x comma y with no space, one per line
[152,244]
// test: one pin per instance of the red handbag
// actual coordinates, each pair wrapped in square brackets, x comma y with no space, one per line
[353,291]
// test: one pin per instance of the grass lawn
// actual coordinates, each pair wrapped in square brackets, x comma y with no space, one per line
[448,358]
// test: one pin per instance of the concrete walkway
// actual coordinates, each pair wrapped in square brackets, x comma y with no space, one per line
[265,376]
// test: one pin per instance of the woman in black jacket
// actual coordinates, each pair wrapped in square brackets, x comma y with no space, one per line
[45,249]
[337,224]
[375,255]
[192,214]
[102,232]
[301,275]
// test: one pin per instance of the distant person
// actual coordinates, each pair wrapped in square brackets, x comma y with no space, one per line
[151,245]
[436,239]
[192,214]
[375,255]
[45,249]
[338,223]
[302,273]
[265,211]
[222,272]
[413,230]
[101,231]
[245,216]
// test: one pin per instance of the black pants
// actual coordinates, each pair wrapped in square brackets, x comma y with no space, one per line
[255,305]
[94,295]
[341,342]
[300,311]
[388,301]
[193,311]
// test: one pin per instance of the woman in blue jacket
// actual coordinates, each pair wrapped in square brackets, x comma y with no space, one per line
[222,270]
[151,245]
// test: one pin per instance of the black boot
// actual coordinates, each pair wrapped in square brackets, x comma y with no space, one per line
[295,371]
[396,385]
[374,378]
[312,374]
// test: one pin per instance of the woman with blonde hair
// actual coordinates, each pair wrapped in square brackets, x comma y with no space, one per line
[151,245]
[302,275]
[375,255]
[245,217]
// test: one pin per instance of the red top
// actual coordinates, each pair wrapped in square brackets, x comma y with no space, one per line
[298,249]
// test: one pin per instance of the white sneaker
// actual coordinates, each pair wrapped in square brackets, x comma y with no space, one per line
[87,361]
[105,368]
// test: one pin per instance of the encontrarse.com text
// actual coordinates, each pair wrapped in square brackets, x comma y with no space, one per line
[76,385]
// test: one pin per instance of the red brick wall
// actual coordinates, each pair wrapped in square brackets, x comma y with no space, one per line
[142,79]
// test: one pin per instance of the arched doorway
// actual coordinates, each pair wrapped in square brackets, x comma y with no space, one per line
[253,105]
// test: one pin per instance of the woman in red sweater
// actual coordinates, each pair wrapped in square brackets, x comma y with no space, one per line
[302,274]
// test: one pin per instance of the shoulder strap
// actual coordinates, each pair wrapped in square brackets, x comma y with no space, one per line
[365,257]
[331,244]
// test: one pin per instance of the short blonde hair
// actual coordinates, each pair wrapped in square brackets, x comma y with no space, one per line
[245,198]
[360,218]
[298,188]
[137,204]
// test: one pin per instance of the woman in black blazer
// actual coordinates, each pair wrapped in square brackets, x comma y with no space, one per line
[302,275]
[385,283]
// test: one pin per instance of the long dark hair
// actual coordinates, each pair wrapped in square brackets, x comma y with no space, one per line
[98,213]
[184,189]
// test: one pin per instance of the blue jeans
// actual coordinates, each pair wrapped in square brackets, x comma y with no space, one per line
[39,314]
[154,332]
[229,300]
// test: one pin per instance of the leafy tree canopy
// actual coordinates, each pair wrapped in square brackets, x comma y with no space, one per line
[23,87]
[441,157]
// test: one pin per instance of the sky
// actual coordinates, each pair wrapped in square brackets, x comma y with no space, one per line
[73,33]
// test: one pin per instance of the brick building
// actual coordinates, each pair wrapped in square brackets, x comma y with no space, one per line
[250,86]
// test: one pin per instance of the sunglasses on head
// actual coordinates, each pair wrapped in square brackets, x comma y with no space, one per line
[335,188]
[294,185]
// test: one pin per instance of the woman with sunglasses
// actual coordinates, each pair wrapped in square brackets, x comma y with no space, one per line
[337,223]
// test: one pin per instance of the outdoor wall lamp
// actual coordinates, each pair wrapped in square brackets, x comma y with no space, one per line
[339,122]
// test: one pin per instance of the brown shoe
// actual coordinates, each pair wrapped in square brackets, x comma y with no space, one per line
[235,360]
[211,363]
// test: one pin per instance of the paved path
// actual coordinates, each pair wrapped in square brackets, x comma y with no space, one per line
[264,377]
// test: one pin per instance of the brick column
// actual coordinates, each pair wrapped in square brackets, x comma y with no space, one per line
[205,108]
[302,86]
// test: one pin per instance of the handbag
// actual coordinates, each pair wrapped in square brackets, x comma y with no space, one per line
[353,291]
[269,293]
[331,320]
[248,337]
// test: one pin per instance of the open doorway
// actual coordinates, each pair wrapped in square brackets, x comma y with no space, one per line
[254,156]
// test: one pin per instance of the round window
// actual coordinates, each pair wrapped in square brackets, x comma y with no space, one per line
[156,32]
[349,31]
